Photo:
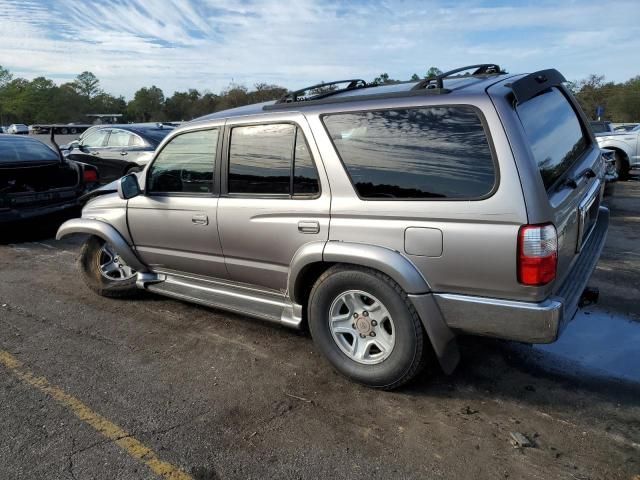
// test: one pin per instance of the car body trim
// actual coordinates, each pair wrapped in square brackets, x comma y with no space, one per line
[107,233]
[389,262]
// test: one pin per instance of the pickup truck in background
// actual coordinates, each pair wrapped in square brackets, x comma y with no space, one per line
[626,146]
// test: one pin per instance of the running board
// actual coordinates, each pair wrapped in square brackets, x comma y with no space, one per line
[266,305]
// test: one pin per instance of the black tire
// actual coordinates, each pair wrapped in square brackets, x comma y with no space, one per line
[90,257]
[407,357]
[622,166]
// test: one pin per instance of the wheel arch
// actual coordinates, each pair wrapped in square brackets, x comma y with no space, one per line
[313,259]
[620,147]
[107,233]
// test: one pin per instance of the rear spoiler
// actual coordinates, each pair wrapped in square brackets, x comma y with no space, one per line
[527,87]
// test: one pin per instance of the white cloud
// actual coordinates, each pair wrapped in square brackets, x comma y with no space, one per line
[179,44]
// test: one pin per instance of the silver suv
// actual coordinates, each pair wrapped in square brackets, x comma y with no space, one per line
[387,219]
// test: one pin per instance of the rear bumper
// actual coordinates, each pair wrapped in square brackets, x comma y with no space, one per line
[17,214]
[529,322]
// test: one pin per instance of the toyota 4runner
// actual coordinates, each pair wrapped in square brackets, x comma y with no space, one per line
[388,219]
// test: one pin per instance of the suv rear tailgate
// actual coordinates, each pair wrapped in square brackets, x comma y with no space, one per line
[558,160]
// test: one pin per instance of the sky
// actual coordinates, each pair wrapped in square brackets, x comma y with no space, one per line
[207,44]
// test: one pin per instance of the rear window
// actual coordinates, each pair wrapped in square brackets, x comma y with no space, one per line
[156,135]
[14,150]
[417,153]
[554,133]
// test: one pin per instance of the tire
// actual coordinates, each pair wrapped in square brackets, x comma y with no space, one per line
[622,166]
[64,131]
[383,368]
[92,256]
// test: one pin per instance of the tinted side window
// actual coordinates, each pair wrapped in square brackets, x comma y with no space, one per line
[418,153]
[305,175]
[260,159]
[185,164]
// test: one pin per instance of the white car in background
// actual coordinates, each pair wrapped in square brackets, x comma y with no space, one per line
[626,146]
[18,128]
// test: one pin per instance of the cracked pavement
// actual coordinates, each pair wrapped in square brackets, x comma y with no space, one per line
[225,397]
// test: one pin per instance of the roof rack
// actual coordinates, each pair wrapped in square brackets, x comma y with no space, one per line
[322,90]
[481,69]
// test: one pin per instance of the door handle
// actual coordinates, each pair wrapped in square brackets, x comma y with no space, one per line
[123,153]
[309,226]
[200,219]
[95,153]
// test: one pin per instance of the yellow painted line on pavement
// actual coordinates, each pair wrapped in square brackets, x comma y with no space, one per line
[110,430]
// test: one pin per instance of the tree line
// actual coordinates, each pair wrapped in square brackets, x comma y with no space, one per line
[42,101]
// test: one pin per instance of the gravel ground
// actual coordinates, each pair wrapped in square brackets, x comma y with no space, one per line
[221,396]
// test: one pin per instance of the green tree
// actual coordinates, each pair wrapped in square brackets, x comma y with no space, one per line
[433,72]
[415,77]
[384,79]
[87,84]
[147,105]
[5,76]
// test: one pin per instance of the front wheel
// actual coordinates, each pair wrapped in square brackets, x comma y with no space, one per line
[104,271]
[366,326]
[622,166]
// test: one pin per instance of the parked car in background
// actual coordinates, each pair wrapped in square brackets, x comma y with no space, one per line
[35,180]
[626,147]
[118,150]
[18,129]
[4,129]
[388,219]
[601,126]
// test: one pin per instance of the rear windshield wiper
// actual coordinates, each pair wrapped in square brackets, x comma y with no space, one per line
[572,182]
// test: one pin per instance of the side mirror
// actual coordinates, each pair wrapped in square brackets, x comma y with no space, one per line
[128,187]
[73,145]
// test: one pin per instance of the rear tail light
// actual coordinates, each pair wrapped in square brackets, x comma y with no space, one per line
[537,254]
[89,175]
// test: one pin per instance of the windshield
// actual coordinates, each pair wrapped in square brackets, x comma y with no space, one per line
[14,150]
[554,133]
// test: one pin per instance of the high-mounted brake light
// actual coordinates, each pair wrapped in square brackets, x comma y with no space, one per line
[90,175]
[537,254]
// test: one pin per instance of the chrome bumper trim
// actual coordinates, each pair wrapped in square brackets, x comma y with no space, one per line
[512,320]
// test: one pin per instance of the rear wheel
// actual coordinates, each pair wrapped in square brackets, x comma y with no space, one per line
[104,271]
[366,326]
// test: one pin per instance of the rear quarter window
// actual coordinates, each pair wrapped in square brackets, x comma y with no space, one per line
[416,153]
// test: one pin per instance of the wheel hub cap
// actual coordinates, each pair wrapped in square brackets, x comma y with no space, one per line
[362,327]
[112,266]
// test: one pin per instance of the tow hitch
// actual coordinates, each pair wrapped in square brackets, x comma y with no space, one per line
[589,297]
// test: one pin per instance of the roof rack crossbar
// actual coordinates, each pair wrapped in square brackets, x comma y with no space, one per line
[480,69]
[299,95]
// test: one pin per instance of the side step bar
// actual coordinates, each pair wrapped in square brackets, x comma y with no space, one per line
[266,305]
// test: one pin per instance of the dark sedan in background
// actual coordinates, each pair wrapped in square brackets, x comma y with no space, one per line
[36,180]
[117,150]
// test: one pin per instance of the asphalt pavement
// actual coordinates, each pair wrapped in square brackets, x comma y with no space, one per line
[155,388]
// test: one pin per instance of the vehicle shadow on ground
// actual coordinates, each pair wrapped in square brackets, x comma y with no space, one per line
[514,371]
[34,230]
